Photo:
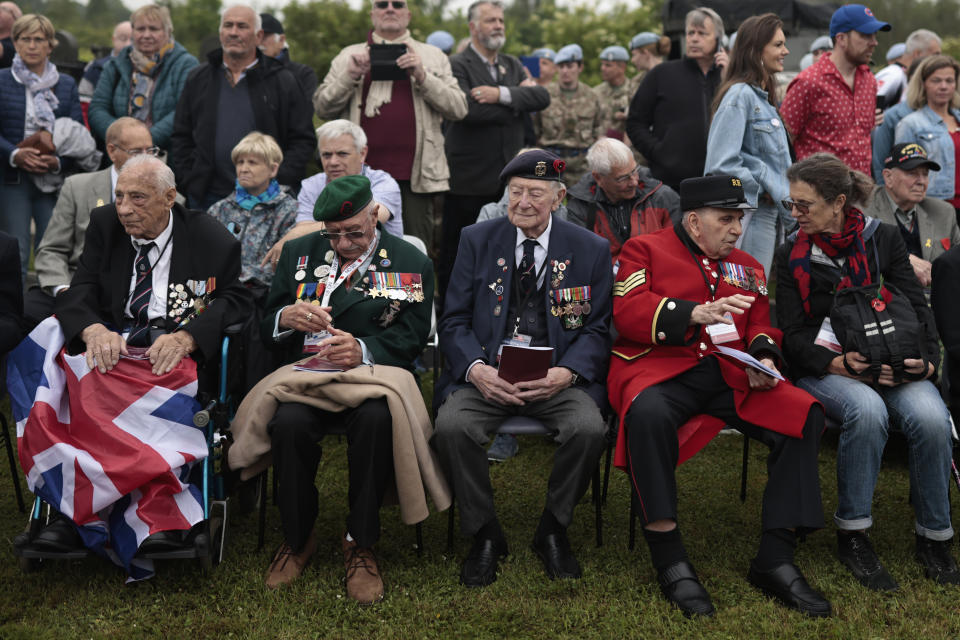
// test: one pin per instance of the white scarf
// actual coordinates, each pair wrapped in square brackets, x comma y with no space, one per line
[381,91]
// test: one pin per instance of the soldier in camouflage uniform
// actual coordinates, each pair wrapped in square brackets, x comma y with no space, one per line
[575,118]
[615,90]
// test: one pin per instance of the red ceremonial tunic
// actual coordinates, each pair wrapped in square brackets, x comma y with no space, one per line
[658,284]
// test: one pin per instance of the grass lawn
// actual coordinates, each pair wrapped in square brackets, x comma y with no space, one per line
[617,597]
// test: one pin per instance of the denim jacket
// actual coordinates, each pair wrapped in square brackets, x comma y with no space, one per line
[926,128]
[748,140]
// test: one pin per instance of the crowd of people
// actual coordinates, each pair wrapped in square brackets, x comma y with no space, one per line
[629,232]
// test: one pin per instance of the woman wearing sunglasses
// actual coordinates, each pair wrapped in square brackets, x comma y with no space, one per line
[835,248]
[747,138]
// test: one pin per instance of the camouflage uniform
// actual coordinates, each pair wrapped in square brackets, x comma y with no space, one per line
[573,121]
[615,100]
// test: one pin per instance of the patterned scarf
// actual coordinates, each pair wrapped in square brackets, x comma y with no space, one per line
[847,244]
[143,82]
[248,201]
[381,91]
[39,90]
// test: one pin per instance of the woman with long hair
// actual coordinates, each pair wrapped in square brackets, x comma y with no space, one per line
[747,138]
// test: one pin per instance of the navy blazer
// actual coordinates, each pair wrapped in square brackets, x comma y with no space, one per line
[469,329]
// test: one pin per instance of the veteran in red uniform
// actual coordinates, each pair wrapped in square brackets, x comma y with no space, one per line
[683,294]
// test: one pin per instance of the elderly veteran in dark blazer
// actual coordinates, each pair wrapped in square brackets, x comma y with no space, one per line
[354,295]
[682,294]
[152,274]
[535,280]
[928,226]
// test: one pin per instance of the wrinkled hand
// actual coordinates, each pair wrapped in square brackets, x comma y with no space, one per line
[878,118]
[720,58]
[556,380]
[411,62]
[359,64]
[169,349]
[760,381]
[308,318]
[713,312]
[104,347]
[486,94]
[51,162]
[922,269]
[342,349]
[493,387]
[31,160]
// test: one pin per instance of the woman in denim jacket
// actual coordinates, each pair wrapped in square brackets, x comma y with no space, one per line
[935,125]
[747,138]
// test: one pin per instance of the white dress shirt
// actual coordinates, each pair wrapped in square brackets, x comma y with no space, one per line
[160,273]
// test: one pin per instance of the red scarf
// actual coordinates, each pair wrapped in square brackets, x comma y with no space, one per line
[847,244]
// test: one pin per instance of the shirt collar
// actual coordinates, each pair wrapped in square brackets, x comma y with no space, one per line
[113,180]
[160,240]
[486,60]
[906,218]
[543,239]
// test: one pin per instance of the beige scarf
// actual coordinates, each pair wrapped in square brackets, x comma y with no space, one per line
[381,91]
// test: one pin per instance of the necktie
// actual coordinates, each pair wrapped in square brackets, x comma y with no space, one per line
[140,302]
[528,267]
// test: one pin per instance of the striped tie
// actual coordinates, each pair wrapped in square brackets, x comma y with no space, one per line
[140,303]
[528,267]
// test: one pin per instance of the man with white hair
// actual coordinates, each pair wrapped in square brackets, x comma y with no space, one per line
[238,90]
[892,79]
[619,198]
[343,152]
[9,12]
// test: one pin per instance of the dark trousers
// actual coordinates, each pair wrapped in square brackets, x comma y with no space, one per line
[296,430]
[459,211]
[792,496]
[37,307]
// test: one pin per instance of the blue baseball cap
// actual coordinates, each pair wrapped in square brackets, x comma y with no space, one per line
[441,40]
[569,53]
[615,54]
[855,17]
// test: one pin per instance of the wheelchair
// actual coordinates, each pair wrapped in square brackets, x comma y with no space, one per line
[205,541]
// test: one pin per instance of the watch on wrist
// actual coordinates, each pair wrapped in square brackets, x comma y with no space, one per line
[574,377]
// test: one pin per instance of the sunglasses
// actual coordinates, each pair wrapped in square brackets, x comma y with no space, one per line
[351,235]
[802,207]
[383,4]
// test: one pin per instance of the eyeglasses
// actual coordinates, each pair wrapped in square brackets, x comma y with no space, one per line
[150,151]
[352,235]
[29,41]
[383,4]
[802,207]
[626,178]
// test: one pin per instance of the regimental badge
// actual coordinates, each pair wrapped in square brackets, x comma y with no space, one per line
[390,314]
[540,169]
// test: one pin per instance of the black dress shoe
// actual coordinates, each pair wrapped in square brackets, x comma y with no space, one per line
[857,554]
[480,567]
[558,560]
[60,535]
[786,584]
[162,541]
[680,585]
[938,563]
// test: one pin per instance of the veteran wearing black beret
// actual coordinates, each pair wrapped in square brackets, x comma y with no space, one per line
[354,295]
[682,294]
[532,280]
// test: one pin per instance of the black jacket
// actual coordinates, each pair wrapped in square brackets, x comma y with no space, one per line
[280,109]
[669,118]
[480,146]
[945,299]
[11,295]
[886,255]
[306,76]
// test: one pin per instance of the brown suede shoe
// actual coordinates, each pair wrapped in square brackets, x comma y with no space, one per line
[287,566]
[363,575]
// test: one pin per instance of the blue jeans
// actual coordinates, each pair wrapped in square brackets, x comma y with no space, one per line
[913,407]
[22,203]
[760,235]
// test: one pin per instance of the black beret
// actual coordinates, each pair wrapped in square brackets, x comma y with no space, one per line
[536,164]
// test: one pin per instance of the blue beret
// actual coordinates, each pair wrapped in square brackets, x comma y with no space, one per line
[823,42]
[643,39]
[544,52]
[615,54]
[441,40]
[569,53]
[896,51]
[537,164]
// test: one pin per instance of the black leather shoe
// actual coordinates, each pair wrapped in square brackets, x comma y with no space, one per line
[786,584]
[558,560]
[480,567]
[162,541]
[59,535]
[681,586]
[857,554]
[938,563]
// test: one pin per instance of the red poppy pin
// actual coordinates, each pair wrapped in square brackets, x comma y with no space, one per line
[559,165]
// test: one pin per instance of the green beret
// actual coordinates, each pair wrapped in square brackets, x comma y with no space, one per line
[342,198]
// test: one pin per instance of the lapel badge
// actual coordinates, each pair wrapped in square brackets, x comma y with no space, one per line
[501,262]
[496,310]
[382,253]
[328,256]
[384,262]
[322,271]
[99,202]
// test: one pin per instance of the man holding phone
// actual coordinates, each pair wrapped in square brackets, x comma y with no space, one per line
[401,106]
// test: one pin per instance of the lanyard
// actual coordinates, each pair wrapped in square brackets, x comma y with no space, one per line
[333,281]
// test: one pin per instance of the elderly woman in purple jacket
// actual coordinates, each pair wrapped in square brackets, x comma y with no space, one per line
[32,96]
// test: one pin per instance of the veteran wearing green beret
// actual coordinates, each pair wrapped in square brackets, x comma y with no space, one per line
[355,296]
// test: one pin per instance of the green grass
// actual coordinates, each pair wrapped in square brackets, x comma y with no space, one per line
[617,597]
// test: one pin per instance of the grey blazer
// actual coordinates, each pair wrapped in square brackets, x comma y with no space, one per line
[62,243]
[937,222]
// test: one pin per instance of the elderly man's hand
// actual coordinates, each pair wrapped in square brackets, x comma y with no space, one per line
[410,61]
[486,94]
[308,318]
[359,64]
[342,349]
[760,381]
[493,387]
[713,312]
[169,349]
[104,347]
[923,269]
[556,380]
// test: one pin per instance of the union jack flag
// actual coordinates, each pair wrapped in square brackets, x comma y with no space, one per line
[114,452]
